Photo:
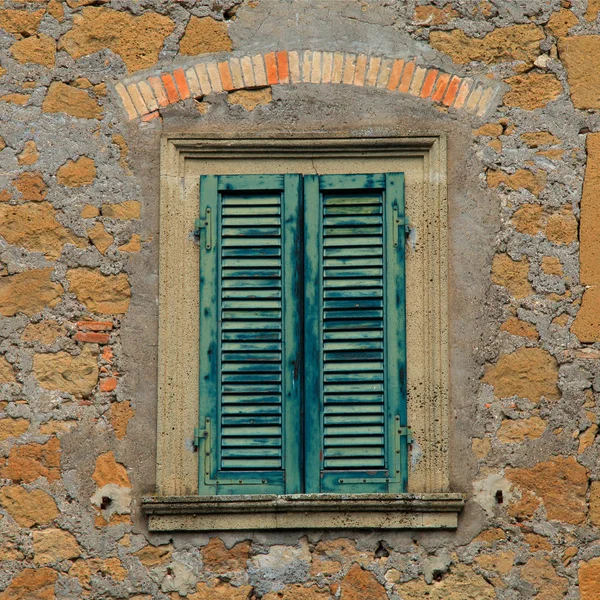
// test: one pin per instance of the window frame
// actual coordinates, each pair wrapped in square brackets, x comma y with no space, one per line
[428,502]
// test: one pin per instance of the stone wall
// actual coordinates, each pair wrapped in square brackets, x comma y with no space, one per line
[86,91]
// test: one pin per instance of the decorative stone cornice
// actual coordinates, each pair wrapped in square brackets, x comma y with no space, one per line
[144,95]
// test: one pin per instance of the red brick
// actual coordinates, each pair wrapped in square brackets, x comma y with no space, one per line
[181,81]
[407,77]
[271,65]
[91,337]
[95,325]
[440,87]
[107,354]
[452,91]
[170,88]
[428,83]
[225,74]
[108,384]
[395,74]
[283,67]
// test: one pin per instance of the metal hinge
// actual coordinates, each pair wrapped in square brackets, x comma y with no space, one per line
[399,222]
[205,223]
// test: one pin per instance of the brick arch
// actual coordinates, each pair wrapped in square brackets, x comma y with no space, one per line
[144,95]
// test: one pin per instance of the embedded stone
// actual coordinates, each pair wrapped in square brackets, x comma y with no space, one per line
[104,294]
[218,559]
[89,212]
[120,414]
[130,209]
[428,15]
[589,579]
[28,508]
[562,227]
[31,584]
[541,575]
[31,186]
[152,556]
[489,536]
[203,35]
[137,40]
[595,503]
[299,592]
[121,143]
[551,265]
[560,483]
[561,21]
[27,462]
[39,49]
[580,54]
[76,375]
[220,590]
[522,179]
[28,292]
[518,42]
[19,99]
[77,173]
[461,583]
[56,10]
[515,326]
[535,139]
[44,332]
[532,90]
[108,471]
[490,130]
[10,427]
[528,219]
[53,545]
[34,226]
[587,438]
[133,245]
[500,562]
[7,375]
[481,447]
[29,155]
[63,98]
[512,274]
[359,584]
[100,237]
[537,542]
[587,323]
[250,99]
[22,23]
[517,430]
[530,373]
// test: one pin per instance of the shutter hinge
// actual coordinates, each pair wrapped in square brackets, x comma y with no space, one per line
[205,223]
[399,222]
[407,433]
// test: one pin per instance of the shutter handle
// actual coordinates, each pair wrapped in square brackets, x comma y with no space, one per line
[205,223]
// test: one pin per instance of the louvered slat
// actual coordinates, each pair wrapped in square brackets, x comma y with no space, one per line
[352,368]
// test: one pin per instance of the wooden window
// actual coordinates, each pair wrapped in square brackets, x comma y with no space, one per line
[302,333]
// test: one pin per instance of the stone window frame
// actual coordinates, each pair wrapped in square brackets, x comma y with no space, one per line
[428,502]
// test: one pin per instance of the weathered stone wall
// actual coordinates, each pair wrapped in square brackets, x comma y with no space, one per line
[79,190]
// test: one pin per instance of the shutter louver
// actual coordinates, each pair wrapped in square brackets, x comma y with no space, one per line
[355,336]
[254,361]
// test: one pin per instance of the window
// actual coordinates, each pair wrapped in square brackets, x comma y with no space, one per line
[302,334]
[175,502]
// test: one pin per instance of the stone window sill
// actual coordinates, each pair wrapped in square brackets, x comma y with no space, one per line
[303,511]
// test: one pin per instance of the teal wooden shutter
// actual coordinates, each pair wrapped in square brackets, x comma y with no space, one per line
[355,354]
[250,294]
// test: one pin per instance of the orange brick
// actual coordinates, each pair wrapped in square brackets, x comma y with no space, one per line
[107,354]
[159,91]
[349,68]
[452,91]
[181,81]
[283,67]
[137,99]
[428,83]
[361,70]
[440,87]
[474,97]
[147,95]
[91,337]
[484,102]
[150,116]
[95,325]
[170,88]
[225,74]
[271,66]
[127,103]
[327,67]
[108,384]
[395,74]
[407,77]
